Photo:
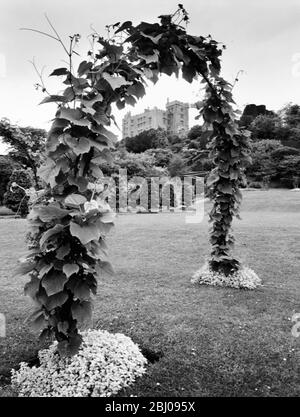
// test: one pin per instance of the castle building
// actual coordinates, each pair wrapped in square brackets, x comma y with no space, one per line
[178,117]
[175,120]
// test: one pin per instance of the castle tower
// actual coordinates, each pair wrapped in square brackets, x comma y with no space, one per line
[177,117]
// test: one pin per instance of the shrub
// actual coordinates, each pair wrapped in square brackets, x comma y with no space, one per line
[15,198]
[282,152]
[104,365]
[177,166]
[6,170]
[148,139]
[242,278]
[162,157]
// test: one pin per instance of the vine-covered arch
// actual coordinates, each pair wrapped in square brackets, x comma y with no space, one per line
[67,238]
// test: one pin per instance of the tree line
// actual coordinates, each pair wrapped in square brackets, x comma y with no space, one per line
[275,153]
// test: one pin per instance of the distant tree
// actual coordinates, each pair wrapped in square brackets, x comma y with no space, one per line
[291,115]
[288,170]
[27,145]
[6,169]
[265,127]
[173,139]
[195,132]
[262,162]
[162,157]
[160,139]
[284,151]
[141,164]
[289,132]
[177,166]
[148,139]
[251,111]
[15,198]
[293,138]
[197,138]
[206,164]
[193,144]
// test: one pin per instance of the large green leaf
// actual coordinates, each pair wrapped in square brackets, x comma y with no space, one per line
[69,94]
[137,90]
[150,58]
[71,346]
[54,282]
[49,171]
[63,327]
[82,312]
[124,26]
[225,188]
[82,291]
[45,269]
[104,267]
[84,67]
[85,233]
[75,200]
[80,182]
[78,146]
[107,133]
[63,251]
[56,300]
[32,287]
[154,39]
[115,81]
[90,102]
[25,266]
[39,322]
[75,116]
[49,233]
[70,269]
[60,71]
[54,99]
[101,117]
[213,177]
[50,212]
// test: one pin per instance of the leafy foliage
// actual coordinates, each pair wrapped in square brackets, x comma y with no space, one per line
[6,169]
[79,142]
[272,161]
[265,127]
[251,111]
[149,139]
[177,166]
[264,124]
[15,198]
[27,145]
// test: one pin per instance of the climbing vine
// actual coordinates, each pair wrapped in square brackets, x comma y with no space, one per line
[68,226]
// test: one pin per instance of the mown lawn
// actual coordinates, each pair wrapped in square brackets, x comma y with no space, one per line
[213,341]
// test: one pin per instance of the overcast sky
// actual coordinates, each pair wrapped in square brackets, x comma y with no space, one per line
[262,38]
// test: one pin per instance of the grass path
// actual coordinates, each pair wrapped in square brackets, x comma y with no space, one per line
[214,341]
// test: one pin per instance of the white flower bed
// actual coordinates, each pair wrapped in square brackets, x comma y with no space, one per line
[243,278]
[104,365]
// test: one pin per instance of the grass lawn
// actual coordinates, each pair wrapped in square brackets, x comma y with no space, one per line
[4,211]
[213,341]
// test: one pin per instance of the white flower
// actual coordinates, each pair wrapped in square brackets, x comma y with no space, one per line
[104,365]
[98,204]
[242,278]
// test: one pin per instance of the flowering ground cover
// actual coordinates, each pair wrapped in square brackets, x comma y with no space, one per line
[211,341]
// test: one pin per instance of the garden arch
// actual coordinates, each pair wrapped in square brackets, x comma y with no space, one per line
[67,247]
